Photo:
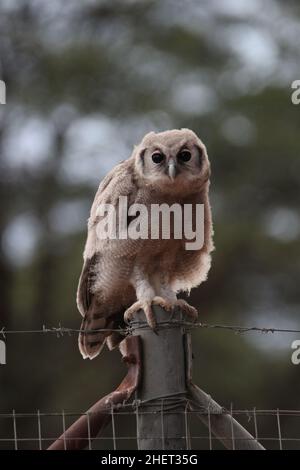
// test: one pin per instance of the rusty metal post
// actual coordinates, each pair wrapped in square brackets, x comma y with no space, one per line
[161,419]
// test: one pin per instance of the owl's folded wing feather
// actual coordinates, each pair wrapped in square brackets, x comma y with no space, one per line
[119,182]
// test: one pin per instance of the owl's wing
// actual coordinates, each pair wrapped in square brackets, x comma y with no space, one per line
[119,182]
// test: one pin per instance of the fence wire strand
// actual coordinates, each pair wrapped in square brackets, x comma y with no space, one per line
[64,428]
[279,430]
[39,429]
[89,430]
[61,331]
[133,409]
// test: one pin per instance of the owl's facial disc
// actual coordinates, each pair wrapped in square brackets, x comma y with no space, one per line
[173,159]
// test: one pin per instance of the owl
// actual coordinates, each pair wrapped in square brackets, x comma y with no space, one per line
[123,275]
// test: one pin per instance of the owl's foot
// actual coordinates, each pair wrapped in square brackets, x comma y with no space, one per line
[163,303]
[146,306]
[186,308]
[141,305]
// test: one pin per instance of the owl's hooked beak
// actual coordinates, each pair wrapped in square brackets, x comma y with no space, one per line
[172,170]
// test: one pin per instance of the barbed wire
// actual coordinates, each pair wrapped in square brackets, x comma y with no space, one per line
[60,331]
[246,329]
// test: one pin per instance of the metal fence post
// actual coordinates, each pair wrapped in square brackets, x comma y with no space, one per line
[162,394]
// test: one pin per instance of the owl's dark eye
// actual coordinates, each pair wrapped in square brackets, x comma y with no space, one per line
[184,156]
[157,157]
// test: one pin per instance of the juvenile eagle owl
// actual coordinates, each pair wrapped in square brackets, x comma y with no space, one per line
[122,275]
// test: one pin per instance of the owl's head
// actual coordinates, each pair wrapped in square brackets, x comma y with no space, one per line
[172,159]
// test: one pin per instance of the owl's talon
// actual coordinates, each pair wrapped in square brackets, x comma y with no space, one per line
[146,307]
[187,309]
[132,310]
[163,303]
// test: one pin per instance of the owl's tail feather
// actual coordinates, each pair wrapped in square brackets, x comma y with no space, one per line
[91,339]
[114,340]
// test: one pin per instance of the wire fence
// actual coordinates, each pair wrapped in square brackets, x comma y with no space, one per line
[37,430]
[273,428]
[60,331]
